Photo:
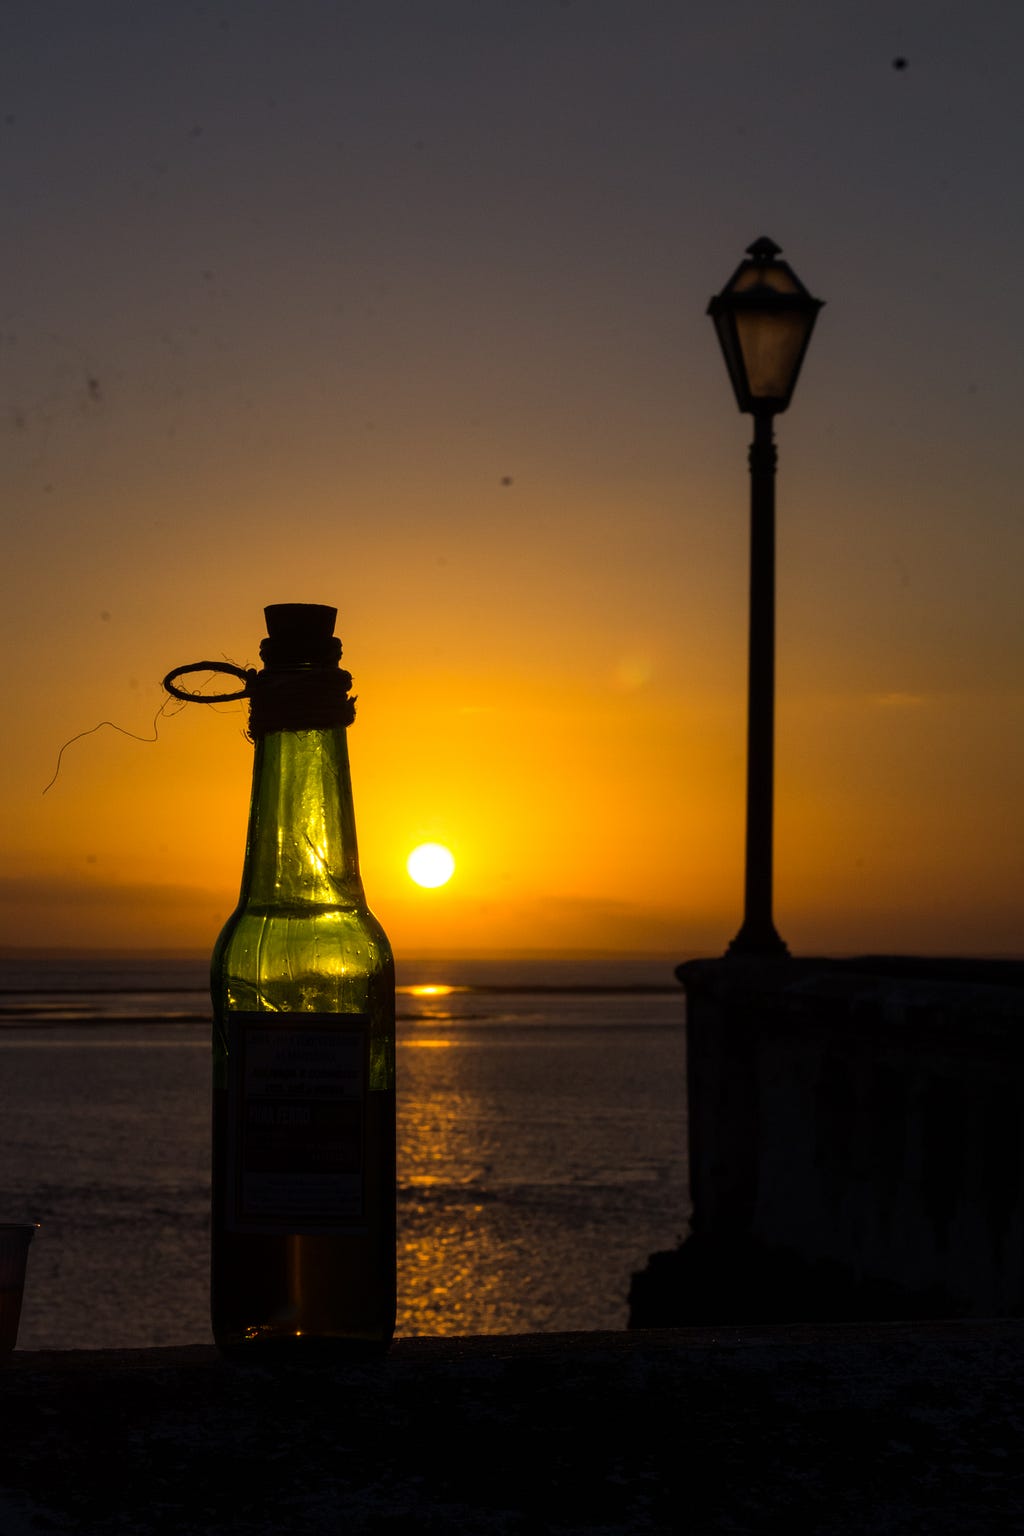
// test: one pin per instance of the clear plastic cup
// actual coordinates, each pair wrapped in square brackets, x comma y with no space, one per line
[14,1240]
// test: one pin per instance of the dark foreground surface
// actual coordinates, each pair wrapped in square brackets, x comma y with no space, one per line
[859,1430]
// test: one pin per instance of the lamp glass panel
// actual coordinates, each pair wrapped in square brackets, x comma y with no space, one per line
[772,345]
[776,278]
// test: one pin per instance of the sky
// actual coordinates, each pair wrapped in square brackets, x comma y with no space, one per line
[401,306]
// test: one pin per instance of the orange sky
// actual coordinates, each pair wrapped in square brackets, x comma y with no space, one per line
[302,312]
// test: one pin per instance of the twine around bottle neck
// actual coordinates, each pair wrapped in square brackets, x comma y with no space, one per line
[310,700]
[280,698]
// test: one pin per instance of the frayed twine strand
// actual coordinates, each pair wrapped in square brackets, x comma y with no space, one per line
[148,740]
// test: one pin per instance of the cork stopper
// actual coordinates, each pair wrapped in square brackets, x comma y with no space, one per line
[300,634]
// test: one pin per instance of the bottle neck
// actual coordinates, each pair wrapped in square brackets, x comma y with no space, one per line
[301,848]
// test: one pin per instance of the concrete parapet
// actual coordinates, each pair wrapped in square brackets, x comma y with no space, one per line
[886,1429]
[856,1143]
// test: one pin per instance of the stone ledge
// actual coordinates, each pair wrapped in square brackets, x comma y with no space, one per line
[835,1429]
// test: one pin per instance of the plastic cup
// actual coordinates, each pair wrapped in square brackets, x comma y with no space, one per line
[14,1240]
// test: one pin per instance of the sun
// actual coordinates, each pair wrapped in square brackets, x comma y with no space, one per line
[431,864]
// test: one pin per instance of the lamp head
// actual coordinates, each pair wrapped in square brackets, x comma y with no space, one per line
[764,317]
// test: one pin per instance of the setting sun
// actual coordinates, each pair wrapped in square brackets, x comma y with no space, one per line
[431,864]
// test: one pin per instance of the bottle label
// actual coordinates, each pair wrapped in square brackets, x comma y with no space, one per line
[296,1116]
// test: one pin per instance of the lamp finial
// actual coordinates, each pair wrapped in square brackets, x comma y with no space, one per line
[763,249]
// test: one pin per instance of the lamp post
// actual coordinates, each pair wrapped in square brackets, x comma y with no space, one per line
[764,317]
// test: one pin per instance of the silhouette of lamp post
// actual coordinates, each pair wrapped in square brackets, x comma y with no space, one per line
[764,317]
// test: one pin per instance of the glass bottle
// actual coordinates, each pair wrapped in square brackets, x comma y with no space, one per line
[303,986]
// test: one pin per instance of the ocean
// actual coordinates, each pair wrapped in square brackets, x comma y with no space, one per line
[541,1143]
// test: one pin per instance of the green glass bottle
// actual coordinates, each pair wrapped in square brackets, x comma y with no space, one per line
[303,985]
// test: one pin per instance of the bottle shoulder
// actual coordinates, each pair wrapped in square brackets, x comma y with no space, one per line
[299,918]
[290,939]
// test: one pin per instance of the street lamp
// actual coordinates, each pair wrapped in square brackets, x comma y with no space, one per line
[764,317]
